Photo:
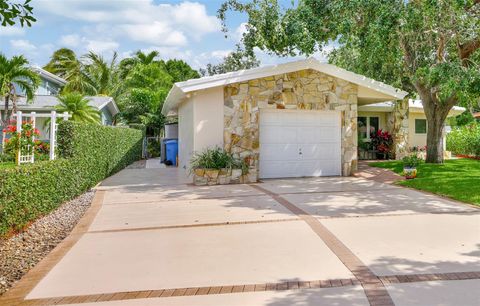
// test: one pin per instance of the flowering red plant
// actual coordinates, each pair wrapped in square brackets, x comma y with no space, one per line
[382,141]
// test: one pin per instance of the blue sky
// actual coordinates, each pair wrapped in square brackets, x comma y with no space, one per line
[188,30]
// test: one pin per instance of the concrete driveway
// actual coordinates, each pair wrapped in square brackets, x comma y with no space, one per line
[153,239]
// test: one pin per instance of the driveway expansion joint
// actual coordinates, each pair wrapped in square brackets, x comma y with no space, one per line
[373,287]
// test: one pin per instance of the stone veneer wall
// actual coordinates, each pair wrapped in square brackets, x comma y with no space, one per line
[397,123]
[306,90]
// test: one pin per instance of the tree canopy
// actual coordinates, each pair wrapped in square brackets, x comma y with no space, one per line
[237,60]
[139,84]
[12,12]
[428,48]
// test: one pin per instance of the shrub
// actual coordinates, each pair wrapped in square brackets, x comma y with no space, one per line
[216,158]
[465,140]
[87,154]
[411,161]
[382,141]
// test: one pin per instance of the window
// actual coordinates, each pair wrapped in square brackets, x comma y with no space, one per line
[420,126]
[374,124]
[366,126]
[362,127]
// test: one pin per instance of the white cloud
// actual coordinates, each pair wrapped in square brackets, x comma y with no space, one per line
[101,46]
[22,45]
[156,33]
[239,31]
[70,40]
[139,20]
[11,31]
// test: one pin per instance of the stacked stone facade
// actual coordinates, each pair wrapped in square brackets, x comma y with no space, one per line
[397,124]
[303,90]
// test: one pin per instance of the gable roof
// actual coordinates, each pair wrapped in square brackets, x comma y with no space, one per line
[48,103]
[180,89]
[49,76]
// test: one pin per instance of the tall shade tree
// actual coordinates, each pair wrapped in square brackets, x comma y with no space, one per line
[180,71]
[237,60]
[78,107]
[16,73]
[12,12]
[429,48]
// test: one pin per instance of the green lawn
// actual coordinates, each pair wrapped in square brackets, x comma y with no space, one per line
[458,179]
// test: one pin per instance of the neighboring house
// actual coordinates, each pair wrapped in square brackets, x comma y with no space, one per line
[46,99]
[288,120]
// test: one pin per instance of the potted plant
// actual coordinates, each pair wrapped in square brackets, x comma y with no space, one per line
[410,164]
[215,166]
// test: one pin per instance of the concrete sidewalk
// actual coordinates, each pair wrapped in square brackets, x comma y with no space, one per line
[151,238]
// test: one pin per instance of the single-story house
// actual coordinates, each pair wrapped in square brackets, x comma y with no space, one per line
[289,120]
[45,100]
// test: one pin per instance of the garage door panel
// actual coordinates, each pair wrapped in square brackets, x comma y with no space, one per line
[285,152]
[299,143]
[322,168]
[271,134]
[323,151]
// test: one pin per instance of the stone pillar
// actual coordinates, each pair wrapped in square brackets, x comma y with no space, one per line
[400,128]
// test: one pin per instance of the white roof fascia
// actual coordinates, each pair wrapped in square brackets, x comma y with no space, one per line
[179,89]
[49,75]
[114,105]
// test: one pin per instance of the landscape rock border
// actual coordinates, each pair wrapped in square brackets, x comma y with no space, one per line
[20,253]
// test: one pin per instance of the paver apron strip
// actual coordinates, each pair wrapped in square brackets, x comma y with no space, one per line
[374,288]
[289,285]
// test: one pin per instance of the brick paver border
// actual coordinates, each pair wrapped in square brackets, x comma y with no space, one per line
[288,285]
[373,287]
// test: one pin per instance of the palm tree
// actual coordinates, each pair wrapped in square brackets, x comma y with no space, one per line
[146,58]
[77,106]
[65,64]
[127,64]
[102,74]
[15,73]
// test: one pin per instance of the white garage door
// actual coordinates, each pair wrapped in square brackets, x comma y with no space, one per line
[297,143]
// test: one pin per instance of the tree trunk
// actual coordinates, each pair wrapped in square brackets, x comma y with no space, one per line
[435,139]
[5,116]
[436,113]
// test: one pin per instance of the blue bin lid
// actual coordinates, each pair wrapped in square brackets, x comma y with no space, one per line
[170,141]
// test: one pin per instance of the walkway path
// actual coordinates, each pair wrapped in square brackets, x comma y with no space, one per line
[151,238]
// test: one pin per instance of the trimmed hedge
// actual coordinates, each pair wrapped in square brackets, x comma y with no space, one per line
[87,154]
[465,140]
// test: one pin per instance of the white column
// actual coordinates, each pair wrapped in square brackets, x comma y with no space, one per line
[33,118]
[19,121]
[19,131]
[53,117]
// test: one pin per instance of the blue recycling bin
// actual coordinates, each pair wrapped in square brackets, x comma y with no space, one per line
[171,150]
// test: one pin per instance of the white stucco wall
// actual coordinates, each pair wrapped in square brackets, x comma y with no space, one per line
[415,140]
[185,133]
[200,124]
[208,118]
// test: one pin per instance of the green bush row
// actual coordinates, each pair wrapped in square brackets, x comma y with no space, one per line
[465,140]
[87,154]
